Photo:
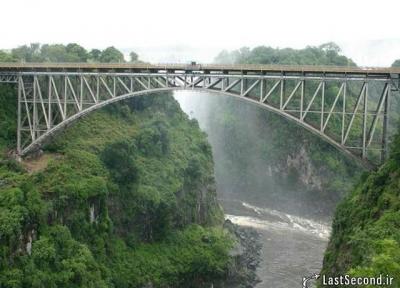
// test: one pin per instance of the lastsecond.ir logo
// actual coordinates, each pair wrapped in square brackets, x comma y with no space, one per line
[309,278]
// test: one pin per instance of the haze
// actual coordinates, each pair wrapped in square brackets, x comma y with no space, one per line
[180,31]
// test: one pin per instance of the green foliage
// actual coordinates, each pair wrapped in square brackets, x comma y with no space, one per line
[202,258]
[111,55]
[60,53]
[27,53]
[133,57]
[71,52]
[120,160]
[8,115]
[366,237]
[396,63]
[6,57]
[326,54]
[78,51]
[94,55]
[106,210]
[153,140]
[386,261]
[58,260]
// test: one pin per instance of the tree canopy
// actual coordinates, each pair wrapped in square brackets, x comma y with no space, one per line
[71,52]
[325,54]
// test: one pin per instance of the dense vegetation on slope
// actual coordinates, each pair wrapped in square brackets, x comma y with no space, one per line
[366,229]
[120,204]
[8,110]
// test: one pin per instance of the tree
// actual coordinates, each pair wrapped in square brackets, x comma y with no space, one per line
[58,260]
[225,57]
[94,55]
[111,55]
[28,53]
[396,63]
[119,158]
[154,140]
[6,57]
[134,56]
[76,53]
[330,46]
[54,53]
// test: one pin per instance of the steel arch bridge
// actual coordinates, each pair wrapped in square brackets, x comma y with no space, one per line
[346,106]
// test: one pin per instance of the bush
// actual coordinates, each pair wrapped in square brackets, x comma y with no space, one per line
[120,160]
[153,140]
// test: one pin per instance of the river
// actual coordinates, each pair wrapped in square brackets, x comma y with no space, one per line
[292,246]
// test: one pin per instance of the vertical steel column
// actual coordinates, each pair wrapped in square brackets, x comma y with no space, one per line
[385,137]
[65,96]
[344,109]
[115,86]
[262,88]
[81,90]
[245,85]
[282,91]
[19,115]
[34,126]
[302,98]
[365,118]
[49,93]
[322,104]
[241,86]
[97,87]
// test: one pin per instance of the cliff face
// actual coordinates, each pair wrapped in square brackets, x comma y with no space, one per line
[365,240]
[124,198]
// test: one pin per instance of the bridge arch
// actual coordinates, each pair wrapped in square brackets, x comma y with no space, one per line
[48,135]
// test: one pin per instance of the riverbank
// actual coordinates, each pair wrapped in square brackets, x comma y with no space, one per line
[246,254]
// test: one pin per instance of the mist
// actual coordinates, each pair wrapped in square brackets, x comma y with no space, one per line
[242,172]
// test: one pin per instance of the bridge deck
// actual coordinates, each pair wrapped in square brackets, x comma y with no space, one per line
[207,68]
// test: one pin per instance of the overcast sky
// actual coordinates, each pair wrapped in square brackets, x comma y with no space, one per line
[179,30]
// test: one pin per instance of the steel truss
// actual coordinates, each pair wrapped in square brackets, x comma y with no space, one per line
[8,77]
[351,113]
